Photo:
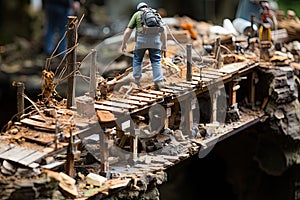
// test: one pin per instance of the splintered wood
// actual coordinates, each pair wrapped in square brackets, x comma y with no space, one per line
[48,87]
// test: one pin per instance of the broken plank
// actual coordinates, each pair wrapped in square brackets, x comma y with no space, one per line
[32,158]
[117,104]
[37,124]
[110,108]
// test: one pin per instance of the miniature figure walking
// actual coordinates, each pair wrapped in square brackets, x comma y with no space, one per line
[150,35]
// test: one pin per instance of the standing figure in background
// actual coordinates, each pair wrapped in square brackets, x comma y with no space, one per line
[150,35]
[56,18]
[266,18]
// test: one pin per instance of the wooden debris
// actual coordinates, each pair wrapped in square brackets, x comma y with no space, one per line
[181,36]
[105,116]
[95,179]
[37,124]
[68,184]
[295,66]
[168,62]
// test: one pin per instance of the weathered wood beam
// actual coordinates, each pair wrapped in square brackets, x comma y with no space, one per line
[71,57]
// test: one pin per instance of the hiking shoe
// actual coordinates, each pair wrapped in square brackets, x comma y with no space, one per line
[137,82]
[159,84]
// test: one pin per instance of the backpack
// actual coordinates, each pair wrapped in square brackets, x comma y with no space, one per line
[150,18]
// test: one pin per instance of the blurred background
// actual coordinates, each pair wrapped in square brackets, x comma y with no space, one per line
[25,18]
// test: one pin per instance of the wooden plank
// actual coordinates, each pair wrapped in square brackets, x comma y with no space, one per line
[110,108]
[37,124]
[53,165]
[207,75]
[195,82]
[21,155]
[141,99]
[203,78]
[216,73]
[4,148]
[179,89]
[32,158]
[7,155]
[117,104]
[129,101]
[213,71]
[185,85]
[157,92]
[233,67]
[170,90]
[37,118]
[151,96]
[38,140]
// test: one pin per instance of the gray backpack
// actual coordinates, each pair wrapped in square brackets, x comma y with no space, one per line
[150,18]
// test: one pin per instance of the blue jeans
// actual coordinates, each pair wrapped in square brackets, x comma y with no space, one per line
[56,21]
[155,58]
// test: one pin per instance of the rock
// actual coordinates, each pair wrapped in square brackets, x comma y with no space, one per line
[85,106]
[178,135]
[279,114]
[8,168]
[95,179]
[25,172]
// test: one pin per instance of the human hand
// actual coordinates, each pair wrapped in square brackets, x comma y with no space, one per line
[163,53]
[123,48]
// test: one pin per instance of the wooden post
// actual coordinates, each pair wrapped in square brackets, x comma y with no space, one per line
[104,152]
[214,106]
[233,87]
[135,144]
[264,50]
[169,114]
[71,57]
[252,89]
[252,26]
[57,127]
[189,62]
[20,99]
[188,116]
[134,133]
[93,70]
[218,52]
[70,157]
